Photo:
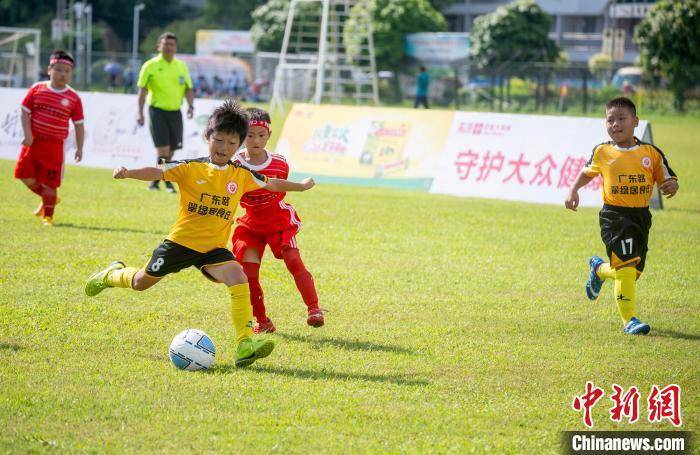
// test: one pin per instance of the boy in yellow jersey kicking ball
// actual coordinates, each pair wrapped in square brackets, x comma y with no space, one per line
[629,168]
[210,189]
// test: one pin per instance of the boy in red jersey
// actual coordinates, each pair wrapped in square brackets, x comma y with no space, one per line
[269,221]
[45,113]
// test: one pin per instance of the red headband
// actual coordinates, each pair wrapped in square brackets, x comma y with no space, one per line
[262,123]
[53,61]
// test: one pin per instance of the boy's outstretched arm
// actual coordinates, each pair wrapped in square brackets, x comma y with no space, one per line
[145,173]
[571,201]
[281,185]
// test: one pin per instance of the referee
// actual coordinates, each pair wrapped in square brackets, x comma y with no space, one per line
[166,81]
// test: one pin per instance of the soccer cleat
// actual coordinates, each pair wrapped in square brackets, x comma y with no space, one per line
[594,282]
[40,210]
[47,221]
[636,327]
[251,349]
[170,188]
[315,317]
[154,185]
[96,283]
[264,327]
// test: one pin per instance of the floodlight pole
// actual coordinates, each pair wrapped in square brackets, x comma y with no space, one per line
[79,40]
[88,32]
[135,37]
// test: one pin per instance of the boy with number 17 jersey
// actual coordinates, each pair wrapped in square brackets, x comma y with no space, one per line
[269,220]
[629,169]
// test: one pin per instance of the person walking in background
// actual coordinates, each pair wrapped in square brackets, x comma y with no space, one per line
[422,83]
[166,80]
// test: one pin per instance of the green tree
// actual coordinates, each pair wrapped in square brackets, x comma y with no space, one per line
[517,32]
[184,30]
[392,20]
[600,65]
[669,43]
[231,15]
[270,19]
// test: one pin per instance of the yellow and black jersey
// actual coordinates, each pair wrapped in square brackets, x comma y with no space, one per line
[209,195]
[628,174]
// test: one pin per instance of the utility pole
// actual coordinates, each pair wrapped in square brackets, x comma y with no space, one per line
[135,38]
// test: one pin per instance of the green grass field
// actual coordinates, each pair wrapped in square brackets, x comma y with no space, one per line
[454,325]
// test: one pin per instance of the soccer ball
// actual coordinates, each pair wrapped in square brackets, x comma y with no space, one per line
[192,350]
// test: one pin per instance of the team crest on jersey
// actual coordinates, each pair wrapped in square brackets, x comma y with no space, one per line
[64,102]
[646,162]
[231,187]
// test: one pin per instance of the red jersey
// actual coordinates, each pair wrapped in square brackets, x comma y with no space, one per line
[262,200]
[49,110]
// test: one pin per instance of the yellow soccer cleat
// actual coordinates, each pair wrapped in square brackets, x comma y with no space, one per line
[47,221]
[251,349]
[96,283]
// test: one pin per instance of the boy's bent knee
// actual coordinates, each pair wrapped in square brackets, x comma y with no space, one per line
[141,281]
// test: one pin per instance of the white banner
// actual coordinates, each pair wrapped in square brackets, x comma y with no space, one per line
[534,158]
[112,136]
[223,42]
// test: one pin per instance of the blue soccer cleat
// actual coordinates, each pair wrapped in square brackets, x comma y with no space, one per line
[594,282]
[636,327]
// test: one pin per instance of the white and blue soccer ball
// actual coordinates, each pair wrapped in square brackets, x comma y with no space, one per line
[192,350]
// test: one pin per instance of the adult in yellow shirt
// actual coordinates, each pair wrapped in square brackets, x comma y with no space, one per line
[163,82]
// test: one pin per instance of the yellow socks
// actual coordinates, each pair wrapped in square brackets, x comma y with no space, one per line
[605,271]
[625,282]
[121,278]
[241,311]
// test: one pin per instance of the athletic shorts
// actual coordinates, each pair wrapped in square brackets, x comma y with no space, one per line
[625,232]
[166,128]
[171,257]
[31,165]
[276,228]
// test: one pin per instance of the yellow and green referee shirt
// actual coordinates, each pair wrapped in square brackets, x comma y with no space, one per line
[209,195]
[166,82]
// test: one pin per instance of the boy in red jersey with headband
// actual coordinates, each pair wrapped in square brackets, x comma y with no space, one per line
[46,109]
[269,221]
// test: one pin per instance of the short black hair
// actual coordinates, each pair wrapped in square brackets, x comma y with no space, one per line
[167,35]
[61,55]
[255,113]
[228,118]
[623,102]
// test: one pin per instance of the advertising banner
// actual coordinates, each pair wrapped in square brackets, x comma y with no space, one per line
[223,42]
[533,158]
[112,136]
[364,143]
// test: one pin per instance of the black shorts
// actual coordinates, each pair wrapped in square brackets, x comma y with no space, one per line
[171,257]
[625,232]
[166,128]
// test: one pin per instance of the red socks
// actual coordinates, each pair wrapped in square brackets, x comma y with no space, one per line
[48,198]
[257,298]
[302,277]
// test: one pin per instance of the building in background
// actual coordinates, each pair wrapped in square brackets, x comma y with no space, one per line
[581,27]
